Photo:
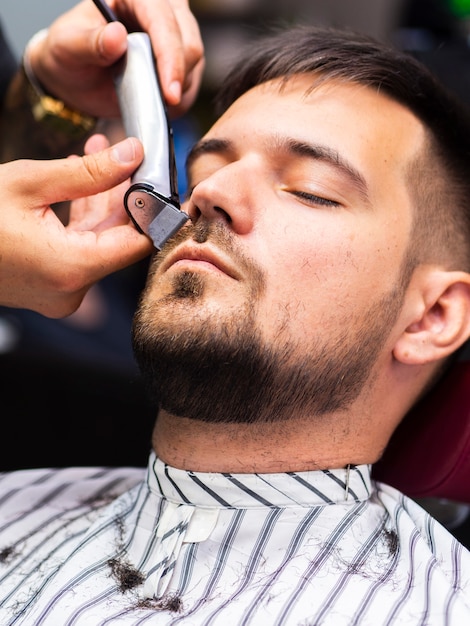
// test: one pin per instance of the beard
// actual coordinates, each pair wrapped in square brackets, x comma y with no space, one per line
[220,370]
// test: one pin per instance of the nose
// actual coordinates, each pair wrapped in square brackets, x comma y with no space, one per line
[228,194]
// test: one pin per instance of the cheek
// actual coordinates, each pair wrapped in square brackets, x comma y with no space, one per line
[322,269]
[306,285]
[316,282]
[308,260]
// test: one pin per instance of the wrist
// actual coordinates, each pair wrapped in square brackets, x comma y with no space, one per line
[48,110]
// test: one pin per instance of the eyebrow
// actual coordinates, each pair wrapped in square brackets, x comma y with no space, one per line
[208,146]
[317,152]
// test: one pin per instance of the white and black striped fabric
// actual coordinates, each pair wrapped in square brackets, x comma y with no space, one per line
[96,546]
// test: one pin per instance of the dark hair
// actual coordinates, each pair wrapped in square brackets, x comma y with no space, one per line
[440,182]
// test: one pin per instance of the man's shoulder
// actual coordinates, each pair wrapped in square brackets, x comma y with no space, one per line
[36,476]
[428,519]
[64,488]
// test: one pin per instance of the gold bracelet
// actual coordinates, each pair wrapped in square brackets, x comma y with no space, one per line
[50,111]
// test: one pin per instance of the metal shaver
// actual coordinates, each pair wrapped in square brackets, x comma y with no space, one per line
[152,200]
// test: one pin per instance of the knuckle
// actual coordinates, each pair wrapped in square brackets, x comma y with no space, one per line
[93,167]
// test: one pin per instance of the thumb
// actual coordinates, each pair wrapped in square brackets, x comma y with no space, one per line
[67,179]
[110,43]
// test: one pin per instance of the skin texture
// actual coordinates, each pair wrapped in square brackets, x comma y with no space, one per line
[48,264]
[322,264]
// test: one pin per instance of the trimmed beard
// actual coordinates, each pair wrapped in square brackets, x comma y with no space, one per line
[221,371]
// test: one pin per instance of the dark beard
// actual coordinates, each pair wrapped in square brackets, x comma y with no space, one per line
[220,371]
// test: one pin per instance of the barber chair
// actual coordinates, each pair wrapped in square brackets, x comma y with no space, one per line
[429,453]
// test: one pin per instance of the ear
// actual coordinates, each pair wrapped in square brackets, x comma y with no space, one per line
[440,318]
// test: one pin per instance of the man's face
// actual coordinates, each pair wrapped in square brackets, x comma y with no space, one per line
[284,292]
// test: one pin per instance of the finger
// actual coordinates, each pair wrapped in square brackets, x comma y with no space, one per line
[190,91]
[82,37]
[66,179]
[97,46]
[176,40]
[73,62]
[115,248]
[99,211]
[110,43]
[95,143]
[177,71]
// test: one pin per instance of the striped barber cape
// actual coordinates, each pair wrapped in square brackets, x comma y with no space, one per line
[99,546]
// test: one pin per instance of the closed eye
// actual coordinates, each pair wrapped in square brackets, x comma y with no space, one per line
[311,198]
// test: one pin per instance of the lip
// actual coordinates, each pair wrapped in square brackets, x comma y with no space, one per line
[203,254]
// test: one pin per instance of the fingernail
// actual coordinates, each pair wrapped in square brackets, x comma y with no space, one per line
[124,152]
[175,90]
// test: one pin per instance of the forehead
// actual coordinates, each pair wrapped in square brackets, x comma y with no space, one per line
[312,94]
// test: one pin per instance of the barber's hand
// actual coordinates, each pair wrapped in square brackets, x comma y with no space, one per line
[46,266]
[73,63]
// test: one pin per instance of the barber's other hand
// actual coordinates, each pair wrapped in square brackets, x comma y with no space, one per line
[46,266]
[73,63]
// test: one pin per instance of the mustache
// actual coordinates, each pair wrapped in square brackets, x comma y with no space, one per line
[218,234]
[200,232]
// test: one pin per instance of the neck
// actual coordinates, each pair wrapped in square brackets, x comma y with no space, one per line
[355,436]
[263,448]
